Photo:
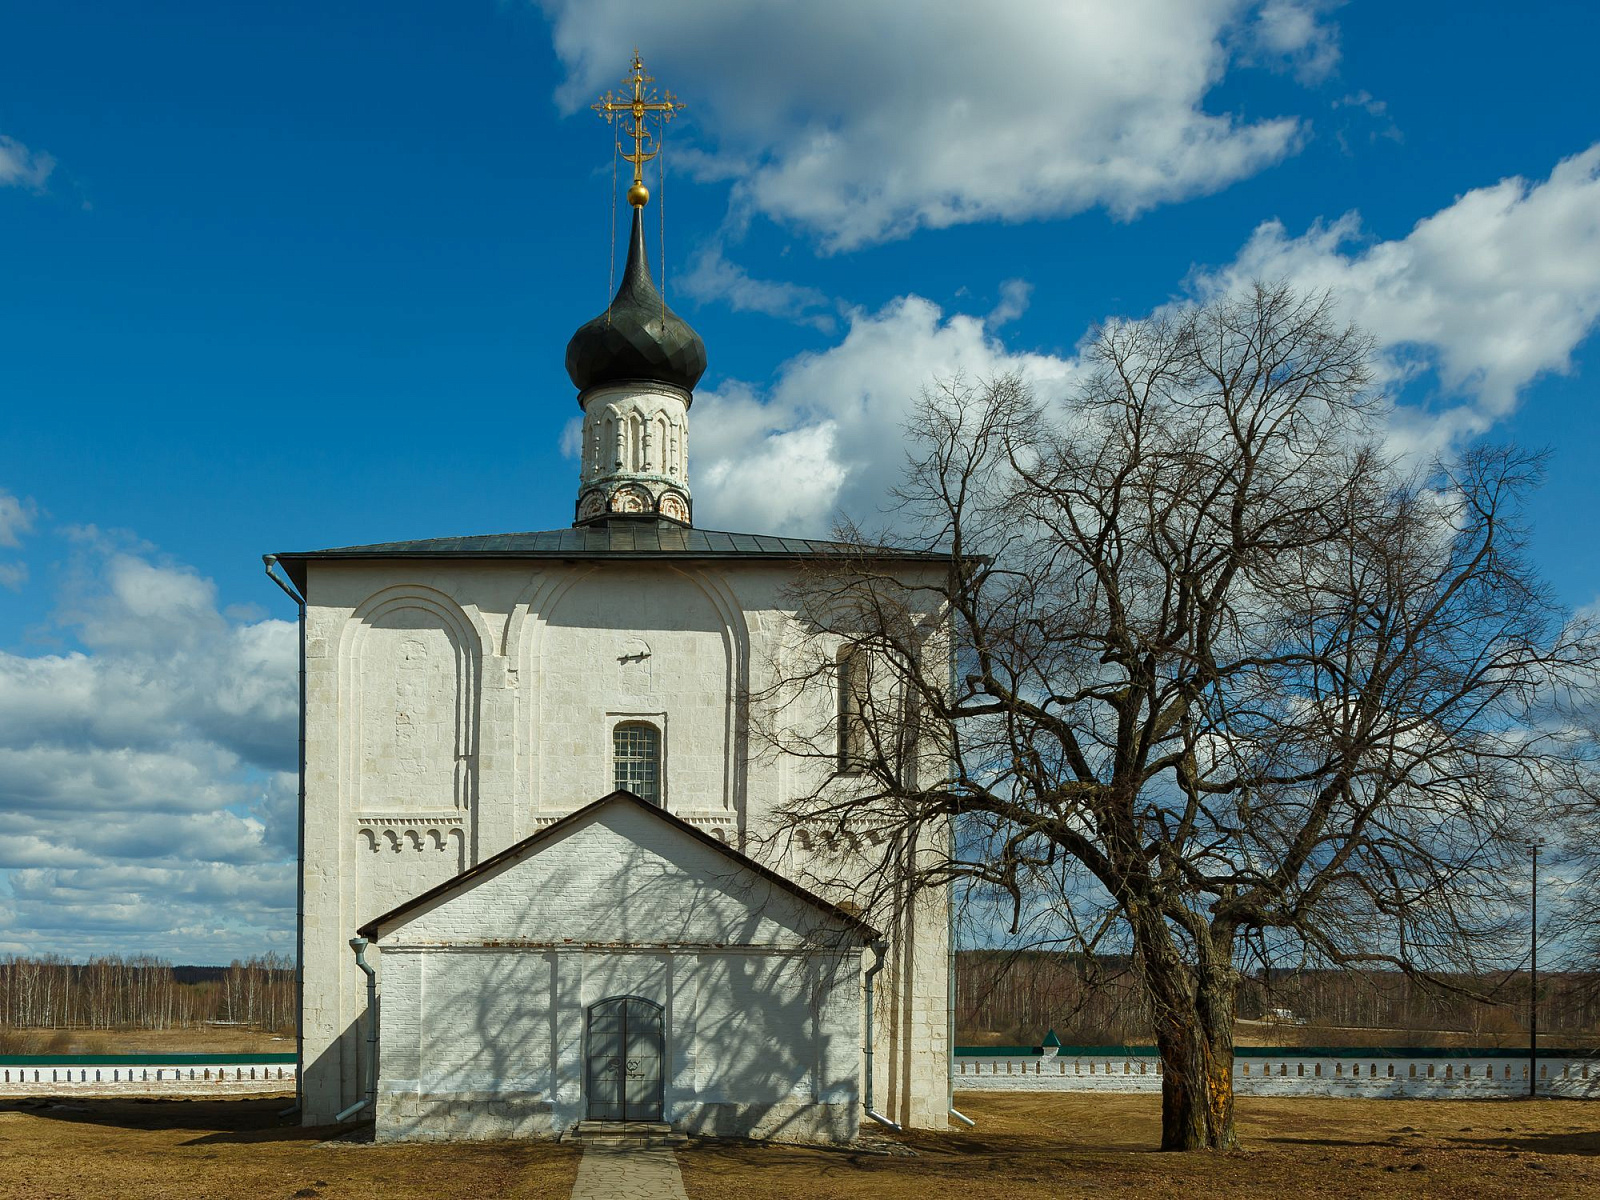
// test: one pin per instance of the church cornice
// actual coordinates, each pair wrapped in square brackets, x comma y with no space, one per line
[617,537]
[628,386]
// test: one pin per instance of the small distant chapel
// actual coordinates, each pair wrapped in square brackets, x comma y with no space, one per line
[530,784]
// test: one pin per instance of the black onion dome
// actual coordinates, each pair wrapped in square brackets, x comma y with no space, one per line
[639,337]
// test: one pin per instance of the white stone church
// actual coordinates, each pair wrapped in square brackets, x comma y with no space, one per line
[530,781]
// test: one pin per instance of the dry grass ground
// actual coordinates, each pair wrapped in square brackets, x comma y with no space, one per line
[1066,1145]
[1279,1033]
[1274,1034]
[234,1149]
[206,1039]
[1025,1147]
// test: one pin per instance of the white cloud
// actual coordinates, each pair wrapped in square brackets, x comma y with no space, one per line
[16,518]
[830,432]
[1014,297]
[21,167]
[572,437]
[147,780]
[208,912]
[861,123]
[1292,33]
[1365,101]
[787,481]
[714,277]
[1374,124]
[1491,292]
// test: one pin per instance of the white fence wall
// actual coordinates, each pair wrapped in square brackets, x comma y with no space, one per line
[1290,1075]
[1285,1075]
[88,1078]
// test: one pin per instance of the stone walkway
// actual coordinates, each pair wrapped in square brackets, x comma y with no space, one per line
[614,1173]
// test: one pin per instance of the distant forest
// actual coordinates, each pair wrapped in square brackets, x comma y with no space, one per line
[145,993]
[1002,998]
[1014,998]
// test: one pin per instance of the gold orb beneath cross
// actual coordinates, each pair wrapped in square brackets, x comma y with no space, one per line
[638,195]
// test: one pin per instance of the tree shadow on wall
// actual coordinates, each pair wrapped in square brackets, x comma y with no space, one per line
[741,1026]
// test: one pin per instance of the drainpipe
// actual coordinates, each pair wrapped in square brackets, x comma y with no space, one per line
[271,563]
[880,951]
[370,1100]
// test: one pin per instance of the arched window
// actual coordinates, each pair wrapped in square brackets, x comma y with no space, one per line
[877,714]
[636,443]
[853,733]
[612,434]
[661,446]
[636,759]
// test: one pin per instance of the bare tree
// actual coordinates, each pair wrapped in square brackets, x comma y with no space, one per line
[1569,863]
[143,992]
[1231,685]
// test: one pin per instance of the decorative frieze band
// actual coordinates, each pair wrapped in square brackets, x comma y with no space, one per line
[397,834]
[833,839]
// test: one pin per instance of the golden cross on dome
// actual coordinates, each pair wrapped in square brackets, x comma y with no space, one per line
[638,103]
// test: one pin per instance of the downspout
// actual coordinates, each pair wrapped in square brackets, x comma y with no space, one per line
[880,950]
[370,1100]
[271,563]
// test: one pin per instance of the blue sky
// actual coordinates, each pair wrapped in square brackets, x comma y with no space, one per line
[279,276]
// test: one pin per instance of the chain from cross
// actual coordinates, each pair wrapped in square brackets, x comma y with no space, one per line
[638,103]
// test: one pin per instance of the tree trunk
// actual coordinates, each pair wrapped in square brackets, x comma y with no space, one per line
[1194,1031]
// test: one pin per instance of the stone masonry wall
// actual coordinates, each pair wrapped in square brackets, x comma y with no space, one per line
[484,1009]
[516,673]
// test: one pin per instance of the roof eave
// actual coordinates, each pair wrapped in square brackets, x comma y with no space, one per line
[674,555]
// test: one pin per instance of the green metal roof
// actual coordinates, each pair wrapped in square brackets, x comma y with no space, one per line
[616,538]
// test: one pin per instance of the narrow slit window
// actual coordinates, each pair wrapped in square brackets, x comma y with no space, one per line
[853,682]
[636,754]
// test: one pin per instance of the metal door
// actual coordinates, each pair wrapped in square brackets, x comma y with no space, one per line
[626,1047]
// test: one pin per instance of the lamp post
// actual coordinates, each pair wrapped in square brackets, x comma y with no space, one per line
[1535,845]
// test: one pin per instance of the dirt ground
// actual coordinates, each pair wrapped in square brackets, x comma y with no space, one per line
[1024,1148]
